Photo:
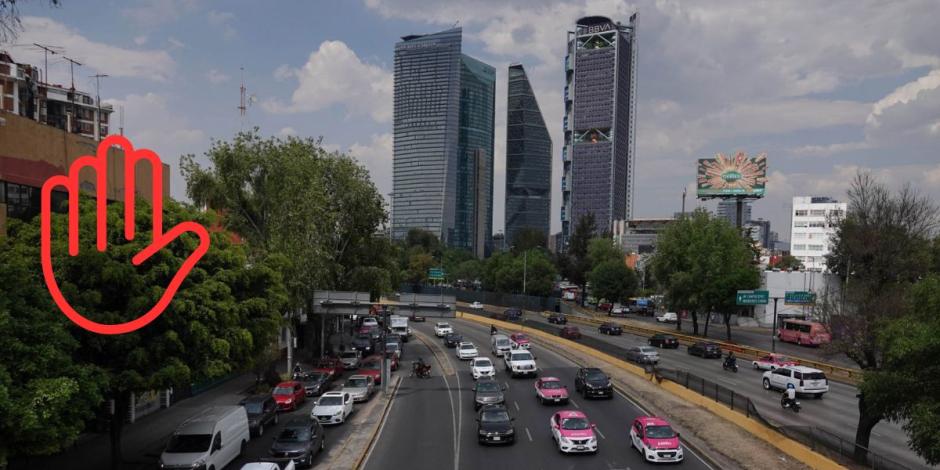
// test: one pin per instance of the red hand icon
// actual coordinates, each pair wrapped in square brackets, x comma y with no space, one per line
[159,240]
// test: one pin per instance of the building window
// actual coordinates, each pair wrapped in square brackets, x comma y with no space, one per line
[815,247]
[22,201]
[836,213]
[799,247]
[799,235]
[817,224]
[800,224]
[817,213]
[800,213]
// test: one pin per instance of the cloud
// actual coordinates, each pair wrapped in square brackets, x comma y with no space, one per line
[334,75]
[105,58]
[286,131]
[215,77]
[140,40]
[175,43]
[153,13]
[376,156]
[222,20]
[284,72]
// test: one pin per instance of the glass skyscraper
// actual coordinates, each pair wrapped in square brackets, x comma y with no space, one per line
[599,123]
[443,141]
[528,159]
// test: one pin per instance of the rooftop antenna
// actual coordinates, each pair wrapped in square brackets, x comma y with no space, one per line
[72,65]
[121,127]
[242,105]
[98,77]
[47,49]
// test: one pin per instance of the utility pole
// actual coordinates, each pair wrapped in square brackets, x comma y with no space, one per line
[773,330]
[98,77]
[72,65]
[683,202]
[46,51]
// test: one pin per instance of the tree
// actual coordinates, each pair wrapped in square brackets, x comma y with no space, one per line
[451,258]
[879,250]
[787,263]
[911,345]
[505,272]
[613,280]
[419,262]
[528,238]
[601,250]
[578,264]
[424,239]
[935,255]
[10,18]
[469,270]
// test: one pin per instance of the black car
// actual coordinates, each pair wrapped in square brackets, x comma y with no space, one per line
[451,340]
[262,410]
[557,319]
[363,344]
[610,329]
[513,314]
[494,425]
[315,383]
[662,340]
[418,318]
[487,392]
[705,349]
[593,382]
[300,440]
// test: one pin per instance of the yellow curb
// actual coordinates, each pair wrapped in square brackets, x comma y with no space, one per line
[790,447]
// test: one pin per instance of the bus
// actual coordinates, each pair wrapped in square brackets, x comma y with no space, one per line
[803,332]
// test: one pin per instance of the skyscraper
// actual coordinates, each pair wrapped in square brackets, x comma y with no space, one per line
[528,159]
[599,122]
[443,141]
[728,210]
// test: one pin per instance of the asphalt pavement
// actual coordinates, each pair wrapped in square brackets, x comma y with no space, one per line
[836,412]
[432,423]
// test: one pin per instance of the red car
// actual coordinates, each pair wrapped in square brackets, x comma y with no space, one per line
[773,361]
[551,390]
[570,332]
[372,366]
[331,365]
[289,395]
[519,340]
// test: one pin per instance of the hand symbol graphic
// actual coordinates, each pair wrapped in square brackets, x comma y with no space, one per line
[159,240]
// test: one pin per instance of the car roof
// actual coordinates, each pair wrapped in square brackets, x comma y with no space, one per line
[591,369]
[479,359]
[550,379]
[494,407]
[333,394]
[652,421]
[358,376]
[466,343]
[288,383]
[442,323]
[566,414]
[803,369]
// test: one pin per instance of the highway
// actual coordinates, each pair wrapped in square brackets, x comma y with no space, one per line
[836,412]
[432,422]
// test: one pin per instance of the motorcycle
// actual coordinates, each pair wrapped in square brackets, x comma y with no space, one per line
[793,405]
[730,365]
[421,371]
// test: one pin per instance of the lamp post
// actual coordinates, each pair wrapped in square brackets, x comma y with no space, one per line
[525,268]
[773,331]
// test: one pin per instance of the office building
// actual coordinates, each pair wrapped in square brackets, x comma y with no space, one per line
[814,224]
[599,123]
[444,105]
[759,230]
[728,210]
[528,159]
[639,236]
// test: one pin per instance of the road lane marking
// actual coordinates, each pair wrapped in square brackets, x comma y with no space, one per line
[574,403]
[599,433]
[517,405]
[507,385]
[527,433]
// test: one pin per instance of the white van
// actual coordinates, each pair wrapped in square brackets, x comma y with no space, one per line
[209,440]
[500,345]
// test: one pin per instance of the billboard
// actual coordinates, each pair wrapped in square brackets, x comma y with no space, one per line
[737,176]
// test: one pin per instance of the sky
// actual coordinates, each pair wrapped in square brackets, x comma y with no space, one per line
[825,89]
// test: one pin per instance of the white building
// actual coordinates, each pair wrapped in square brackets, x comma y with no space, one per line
[814,220]
[778,283]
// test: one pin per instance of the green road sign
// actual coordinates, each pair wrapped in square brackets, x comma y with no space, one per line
[798,297]
[436,274]
[753,297]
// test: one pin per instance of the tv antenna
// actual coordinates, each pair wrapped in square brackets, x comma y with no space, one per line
[245,99]
[72,64]
[48,49]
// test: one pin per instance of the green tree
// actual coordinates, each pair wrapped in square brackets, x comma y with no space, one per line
[419,262]
[469,270]
[424,239]
[788,263]
[613,281]
[528,238]
[10,18]
[935,255]
[451,258]
[577,264]
[601,250]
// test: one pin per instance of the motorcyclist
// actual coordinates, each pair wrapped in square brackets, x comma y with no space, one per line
[789,396]
[731,360]
[492,330]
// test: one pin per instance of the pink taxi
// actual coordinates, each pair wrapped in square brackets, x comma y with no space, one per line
[519,340]
[551,390]
[773,361]
[655,440]
[573,432]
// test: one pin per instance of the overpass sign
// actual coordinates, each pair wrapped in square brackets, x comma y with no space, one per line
[753,297]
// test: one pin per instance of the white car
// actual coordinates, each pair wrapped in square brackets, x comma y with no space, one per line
[476,306]
[520,362]
[482,367]
[466,350]
[268,466]
[370,322]
[807,380]
[333,408]
[668,317]
[442,329]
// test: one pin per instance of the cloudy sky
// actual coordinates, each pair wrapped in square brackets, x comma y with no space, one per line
[824,88]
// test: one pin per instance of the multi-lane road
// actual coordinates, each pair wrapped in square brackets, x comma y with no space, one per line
[837,411]
[432,422]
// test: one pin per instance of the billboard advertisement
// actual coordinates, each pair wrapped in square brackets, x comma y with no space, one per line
[732,176]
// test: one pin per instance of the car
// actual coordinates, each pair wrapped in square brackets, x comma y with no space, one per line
[418,318]
[494,425]
[482,367]
[551,390]
[570,332]
[363,344]
[705,349]
[300,440]
[332,408]
[392,359]
[557,318]
[808,381]
[370,322]
[289,395]
[663,340]
[773,361]
[466,350]
[618,310]
[315,383]
[643,354]
[487,391]
[393,348]
[360,387]
[476,306]
[513,314]
[606,306]
[376,333]
[262,410]
[609,328]
[655,439]
[371,366]
[451,340]
[350,359]
[668,317]
[441,329]
[499,316]
[520,362]
[333,365]
[519,340]
[573,432]
[592,382]
[269,466]
[500,345]
[213,438]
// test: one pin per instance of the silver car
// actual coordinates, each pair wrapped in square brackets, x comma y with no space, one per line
[359,387]
[350,359]
[643,354]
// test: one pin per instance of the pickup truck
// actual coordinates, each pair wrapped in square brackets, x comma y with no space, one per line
[520,362]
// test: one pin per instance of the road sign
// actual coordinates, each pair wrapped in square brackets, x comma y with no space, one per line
[753,297]
[436,274]
[798,297]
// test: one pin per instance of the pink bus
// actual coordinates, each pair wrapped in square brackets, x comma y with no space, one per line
[804,332]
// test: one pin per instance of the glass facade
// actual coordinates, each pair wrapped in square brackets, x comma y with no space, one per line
[599,123]
[528,159]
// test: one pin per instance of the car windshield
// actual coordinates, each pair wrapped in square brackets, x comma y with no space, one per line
[502,342]
[483,363]
[813,375]
[363,338]
[575,423]
[521,336]
[373,365]
[391,347]
[551,384]
[283,391]
[487,387]
[660,432]
[466,346]
[494,416]
[782,359]
[186,443]
[330,401]
[254,407]
[356,382]
[348,355]
[315,377]
[647,349]
[522,357]
[596,375]
[294,435]
[443,325]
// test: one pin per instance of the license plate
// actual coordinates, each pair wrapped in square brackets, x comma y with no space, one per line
[497,438]
[558,399]
[580,447]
